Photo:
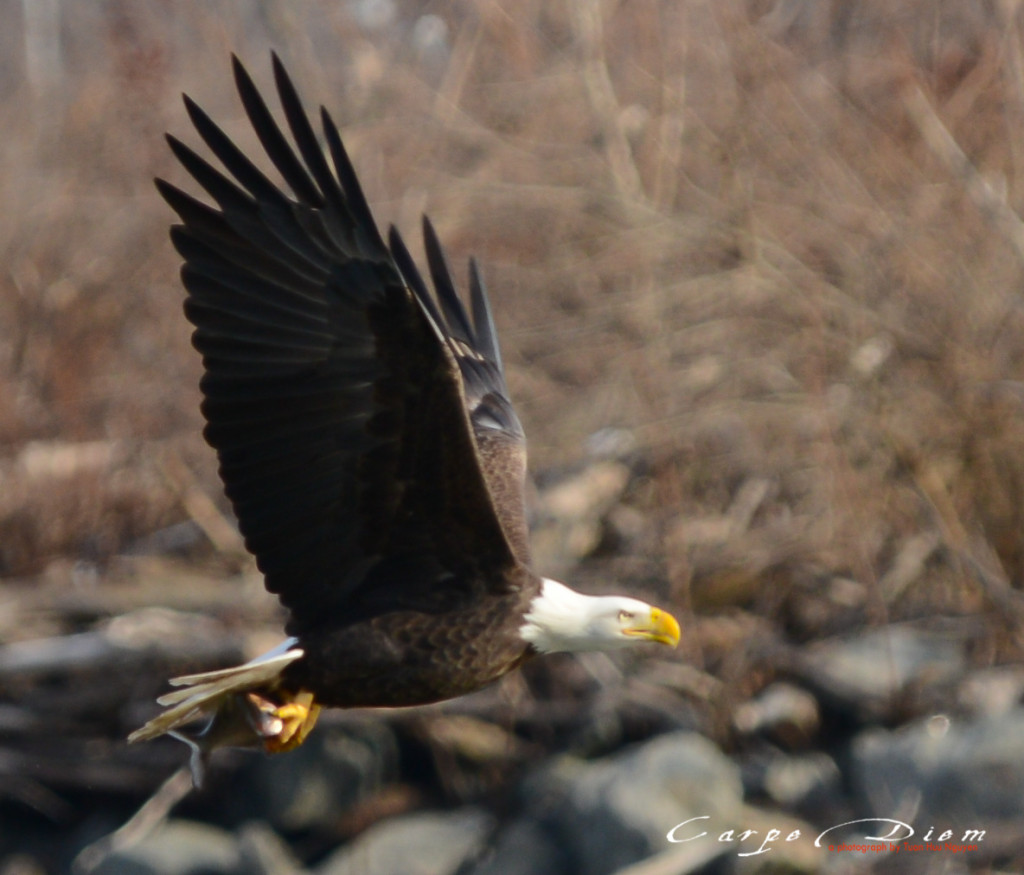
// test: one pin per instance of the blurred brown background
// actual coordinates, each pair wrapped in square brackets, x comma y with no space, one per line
[757,268]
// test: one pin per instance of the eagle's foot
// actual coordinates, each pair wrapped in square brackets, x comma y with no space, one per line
[283,726]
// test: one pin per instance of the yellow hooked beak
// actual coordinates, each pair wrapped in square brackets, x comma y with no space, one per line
[663,628]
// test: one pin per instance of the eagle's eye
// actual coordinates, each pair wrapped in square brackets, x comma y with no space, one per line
[625,615]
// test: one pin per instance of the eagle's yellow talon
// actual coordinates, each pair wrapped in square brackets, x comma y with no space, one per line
[284,727]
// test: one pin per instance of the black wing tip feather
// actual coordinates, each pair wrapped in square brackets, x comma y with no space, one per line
[275,143]
[300,161]
[190,105]
[244,83]
[479,333]
[294,109]
[167,190]
[340,185]
[201,121]
[473,343]
[456,320]
[278,65]
[176,145]
[474,329]
[444,308]
[483,317]
[358,206]
[186,206]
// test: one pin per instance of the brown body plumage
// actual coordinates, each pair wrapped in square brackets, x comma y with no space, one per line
[410,657]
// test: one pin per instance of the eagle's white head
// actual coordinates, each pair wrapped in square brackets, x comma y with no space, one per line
[562,620]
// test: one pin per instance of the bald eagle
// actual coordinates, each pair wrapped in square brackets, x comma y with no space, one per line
[367,444]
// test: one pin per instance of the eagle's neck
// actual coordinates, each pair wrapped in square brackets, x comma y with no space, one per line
[560,620]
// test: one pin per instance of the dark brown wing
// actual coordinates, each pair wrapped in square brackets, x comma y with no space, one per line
[499,435]
[335,390]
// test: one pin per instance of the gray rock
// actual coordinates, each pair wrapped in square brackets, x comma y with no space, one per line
[614,812]
[21,864]
[312,786]
[178,847]
[944,774]
[570,512]
[872,671]
[809,784]
[524,847]
[784,713]
[426,843]
[992,692]
[263,852]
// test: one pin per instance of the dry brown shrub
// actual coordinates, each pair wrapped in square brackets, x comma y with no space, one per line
[716,225]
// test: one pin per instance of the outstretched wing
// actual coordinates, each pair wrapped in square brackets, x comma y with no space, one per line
[336,390]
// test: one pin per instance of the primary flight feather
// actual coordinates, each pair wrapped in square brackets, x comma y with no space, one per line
[367,444]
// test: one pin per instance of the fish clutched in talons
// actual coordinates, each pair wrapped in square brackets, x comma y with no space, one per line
[249,720]
[284,727]
[243,706]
